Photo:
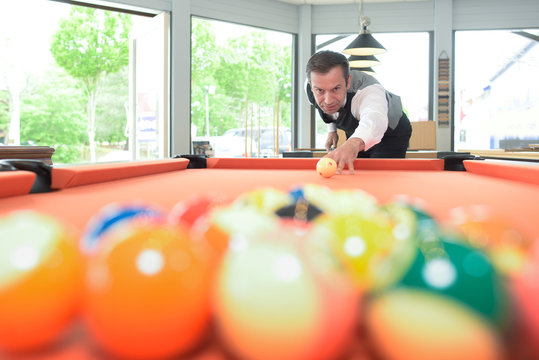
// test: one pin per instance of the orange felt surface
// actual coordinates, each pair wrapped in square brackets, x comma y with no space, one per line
[16,182]
[310,163]
[524,172]
[439,190]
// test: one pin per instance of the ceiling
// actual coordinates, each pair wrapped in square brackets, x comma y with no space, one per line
[337,2]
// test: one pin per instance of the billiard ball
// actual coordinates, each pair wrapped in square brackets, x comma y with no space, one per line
[523,285]
[345,201]
[407,324]
[497,236]
[250,213]
[326,167]
[451,303]
[372,252]
[272,302]
[265,200]
[115,214]
[300,210]
[147,292]
[40,280]
[188,211]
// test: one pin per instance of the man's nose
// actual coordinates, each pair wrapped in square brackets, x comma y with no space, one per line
[328,98]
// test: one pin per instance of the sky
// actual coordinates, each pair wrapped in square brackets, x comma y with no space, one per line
[29,43]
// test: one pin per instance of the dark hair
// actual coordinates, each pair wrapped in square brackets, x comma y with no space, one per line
[325,60]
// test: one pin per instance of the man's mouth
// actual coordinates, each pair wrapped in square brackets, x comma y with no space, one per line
[330,108]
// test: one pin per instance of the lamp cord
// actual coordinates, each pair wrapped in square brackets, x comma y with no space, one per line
[363,20]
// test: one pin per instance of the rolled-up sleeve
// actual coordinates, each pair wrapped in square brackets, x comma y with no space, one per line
[369,106]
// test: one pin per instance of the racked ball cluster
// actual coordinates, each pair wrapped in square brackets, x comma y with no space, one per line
[305,274]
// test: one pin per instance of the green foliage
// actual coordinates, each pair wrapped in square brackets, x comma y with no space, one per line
[248,72]
[53,115]
[4,113]
[204,52]
[90,43]
[110,112]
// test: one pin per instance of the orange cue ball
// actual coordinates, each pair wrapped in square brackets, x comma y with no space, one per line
[326,167]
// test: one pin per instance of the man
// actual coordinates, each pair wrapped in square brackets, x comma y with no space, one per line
[372,118]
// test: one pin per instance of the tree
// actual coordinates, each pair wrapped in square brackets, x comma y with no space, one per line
[112,101]
[256,73]
[53,114]
[4,114]
[204,56]
[89,44]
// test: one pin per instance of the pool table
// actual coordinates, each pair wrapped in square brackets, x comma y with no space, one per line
[77,192]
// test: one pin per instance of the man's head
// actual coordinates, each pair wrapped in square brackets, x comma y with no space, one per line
[328,73]
[323,61]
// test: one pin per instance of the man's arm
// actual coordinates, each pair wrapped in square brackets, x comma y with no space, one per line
[370,107]
[333,137]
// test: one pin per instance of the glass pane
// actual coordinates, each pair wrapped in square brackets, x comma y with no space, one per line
[496,89]
[50,94]
[241,89]
[403,70]
[150,96]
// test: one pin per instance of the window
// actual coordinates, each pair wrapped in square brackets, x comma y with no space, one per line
[403,70]
[51,95]
[496,89]
[241,86]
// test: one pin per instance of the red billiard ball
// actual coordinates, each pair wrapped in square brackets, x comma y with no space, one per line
[40,280]
[147,292]
[188,211]
[326,167]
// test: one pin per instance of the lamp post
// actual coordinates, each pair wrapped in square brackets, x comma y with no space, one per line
[208,89]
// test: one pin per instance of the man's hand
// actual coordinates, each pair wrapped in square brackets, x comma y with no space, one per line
[347,153]
[332,140]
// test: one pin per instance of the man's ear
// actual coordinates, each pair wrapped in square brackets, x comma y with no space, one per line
[309,92]
[349,82]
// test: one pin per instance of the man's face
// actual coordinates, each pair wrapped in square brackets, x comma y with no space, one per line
[330,89]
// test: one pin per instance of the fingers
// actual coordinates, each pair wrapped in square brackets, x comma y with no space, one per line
[329,147]
[340,166]
[351,166]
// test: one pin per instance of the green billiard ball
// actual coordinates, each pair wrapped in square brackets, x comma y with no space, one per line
[452,269]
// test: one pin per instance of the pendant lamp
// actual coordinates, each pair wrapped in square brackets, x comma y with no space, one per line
[365,61]
[364,43]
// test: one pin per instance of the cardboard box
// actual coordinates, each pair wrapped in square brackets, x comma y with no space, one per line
[423,135]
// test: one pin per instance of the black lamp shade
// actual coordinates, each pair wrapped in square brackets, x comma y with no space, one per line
[363,61]
[367,70]
[364,44]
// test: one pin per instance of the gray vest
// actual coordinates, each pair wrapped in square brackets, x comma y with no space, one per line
[360,80]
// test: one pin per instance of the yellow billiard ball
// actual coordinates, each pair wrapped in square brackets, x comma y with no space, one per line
[326,167]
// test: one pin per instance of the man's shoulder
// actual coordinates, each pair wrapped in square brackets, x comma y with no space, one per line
[361,80]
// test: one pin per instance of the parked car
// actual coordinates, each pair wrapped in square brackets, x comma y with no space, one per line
[232,143]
